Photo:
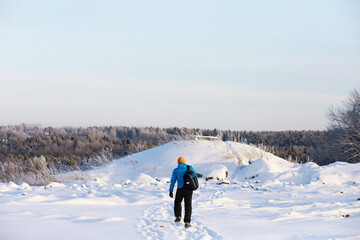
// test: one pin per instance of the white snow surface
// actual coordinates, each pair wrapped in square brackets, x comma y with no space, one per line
[252,195]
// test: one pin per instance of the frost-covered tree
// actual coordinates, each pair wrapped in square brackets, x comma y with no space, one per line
[345,126]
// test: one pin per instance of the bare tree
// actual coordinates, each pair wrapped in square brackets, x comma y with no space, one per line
[345,125]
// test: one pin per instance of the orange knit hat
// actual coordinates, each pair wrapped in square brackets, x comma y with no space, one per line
[181,159]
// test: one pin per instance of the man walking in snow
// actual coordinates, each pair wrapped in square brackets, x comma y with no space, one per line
[181,192]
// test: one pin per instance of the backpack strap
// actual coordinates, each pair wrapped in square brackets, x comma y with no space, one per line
[188,168]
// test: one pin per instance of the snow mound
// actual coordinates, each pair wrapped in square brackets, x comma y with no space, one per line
[266,167]
[219,160]
[215,171]
[339,173]
[212,159]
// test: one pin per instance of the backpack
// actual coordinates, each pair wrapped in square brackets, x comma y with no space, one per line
[190,180]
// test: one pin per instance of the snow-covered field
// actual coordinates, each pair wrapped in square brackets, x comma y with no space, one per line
[253,195]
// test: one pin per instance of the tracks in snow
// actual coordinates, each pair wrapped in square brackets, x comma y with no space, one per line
[158,223]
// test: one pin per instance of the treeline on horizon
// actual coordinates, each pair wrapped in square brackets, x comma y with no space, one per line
[40,152]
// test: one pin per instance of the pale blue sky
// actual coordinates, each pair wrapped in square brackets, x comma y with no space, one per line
[240,65]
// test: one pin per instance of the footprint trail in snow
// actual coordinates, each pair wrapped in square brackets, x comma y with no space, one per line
[158,223]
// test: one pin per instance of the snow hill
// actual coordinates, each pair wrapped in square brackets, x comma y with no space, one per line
[245,193]
[221,160]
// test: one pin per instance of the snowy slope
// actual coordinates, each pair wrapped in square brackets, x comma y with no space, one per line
[253,195]
[211,158]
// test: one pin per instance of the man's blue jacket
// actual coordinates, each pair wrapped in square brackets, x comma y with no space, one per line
[178,175]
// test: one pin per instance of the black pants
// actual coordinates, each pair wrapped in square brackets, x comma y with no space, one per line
[187,196]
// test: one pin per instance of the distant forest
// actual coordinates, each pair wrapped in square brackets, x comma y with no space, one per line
[26,148]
